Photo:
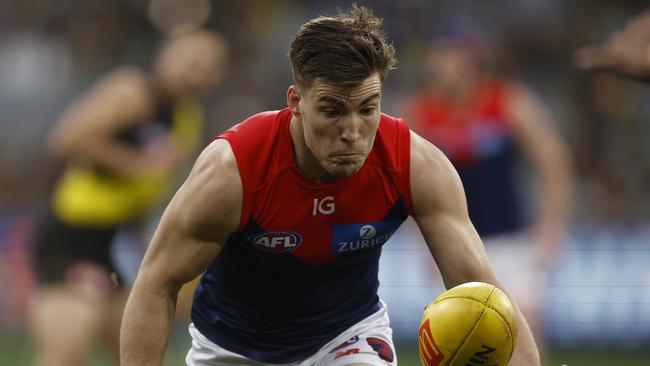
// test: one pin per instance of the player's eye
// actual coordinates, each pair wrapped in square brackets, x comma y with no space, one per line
[331,112]
[368,111]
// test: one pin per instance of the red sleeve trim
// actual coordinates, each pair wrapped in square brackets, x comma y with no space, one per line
[244,175]
[404,146]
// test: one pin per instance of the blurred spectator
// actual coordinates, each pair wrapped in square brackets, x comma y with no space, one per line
[483,124]
[121,141]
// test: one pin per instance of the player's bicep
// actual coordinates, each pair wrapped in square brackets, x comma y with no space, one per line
[441,214]
[176,255]
[197,222]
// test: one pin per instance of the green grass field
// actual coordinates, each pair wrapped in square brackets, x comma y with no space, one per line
[16,350]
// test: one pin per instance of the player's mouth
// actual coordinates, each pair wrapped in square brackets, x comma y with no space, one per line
[348,157]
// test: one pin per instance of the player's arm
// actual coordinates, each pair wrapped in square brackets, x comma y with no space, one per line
[87,129]
[441,214]
[535,133]
[626,52]
[192,232]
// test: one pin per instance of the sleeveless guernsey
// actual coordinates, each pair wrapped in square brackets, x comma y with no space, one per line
[87,196]
[478,139]
[302,266]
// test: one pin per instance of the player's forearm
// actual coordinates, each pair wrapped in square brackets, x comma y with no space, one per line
[146,326]
[118,158]
[526,352]
[108,155]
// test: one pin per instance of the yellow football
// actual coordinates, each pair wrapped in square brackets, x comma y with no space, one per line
[470,324]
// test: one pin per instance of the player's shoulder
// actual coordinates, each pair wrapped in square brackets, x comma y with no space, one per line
[127,73]
[390,147]
[427,156]
[429,165]
[261,145]
[216,168]
[501,87]
[125,79]
[260,134]
[434,180]
[387,120]
[392,128]
[260,122]
[212,194]
[216,156]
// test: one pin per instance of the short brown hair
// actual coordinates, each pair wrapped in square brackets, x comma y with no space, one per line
[342,50]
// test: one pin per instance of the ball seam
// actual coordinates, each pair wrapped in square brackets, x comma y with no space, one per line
[503,318]
[469,334]
[479,301]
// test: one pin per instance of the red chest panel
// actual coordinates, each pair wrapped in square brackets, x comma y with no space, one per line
[467,132]
[318,222]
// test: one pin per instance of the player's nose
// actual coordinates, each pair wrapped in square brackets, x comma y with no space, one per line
[351,128]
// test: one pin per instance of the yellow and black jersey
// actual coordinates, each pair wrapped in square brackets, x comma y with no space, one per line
[87,196]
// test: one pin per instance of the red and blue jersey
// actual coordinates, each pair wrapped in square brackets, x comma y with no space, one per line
[302,267]
[478,138]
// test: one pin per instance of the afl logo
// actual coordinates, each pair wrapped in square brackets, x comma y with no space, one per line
[367,232]
[275,241]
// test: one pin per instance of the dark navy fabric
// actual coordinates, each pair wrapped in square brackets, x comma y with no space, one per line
[275,308]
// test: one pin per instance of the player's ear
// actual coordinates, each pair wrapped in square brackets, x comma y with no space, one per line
[293,100]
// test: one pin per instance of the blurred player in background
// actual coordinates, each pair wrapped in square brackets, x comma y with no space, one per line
[121,143]
[287,212]
[484,124]
[626,52]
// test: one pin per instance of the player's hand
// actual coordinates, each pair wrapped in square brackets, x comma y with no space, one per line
[626,52]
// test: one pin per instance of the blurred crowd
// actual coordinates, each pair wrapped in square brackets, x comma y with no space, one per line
[50,51]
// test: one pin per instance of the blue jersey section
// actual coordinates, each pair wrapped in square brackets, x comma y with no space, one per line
[492,196]
[352,237]
[270,306]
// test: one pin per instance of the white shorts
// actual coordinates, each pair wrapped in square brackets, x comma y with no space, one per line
[370,341]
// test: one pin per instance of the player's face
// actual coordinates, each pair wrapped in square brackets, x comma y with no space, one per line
[190,66]
[452,65]
[339,126]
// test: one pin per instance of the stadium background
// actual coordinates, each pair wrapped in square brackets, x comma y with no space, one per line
[597,303]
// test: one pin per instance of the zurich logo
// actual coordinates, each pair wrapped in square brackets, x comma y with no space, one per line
[352,237]
[275,241]
[367,232]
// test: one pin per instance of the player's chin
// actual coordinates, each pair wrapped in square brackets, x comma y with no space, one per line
[344,170]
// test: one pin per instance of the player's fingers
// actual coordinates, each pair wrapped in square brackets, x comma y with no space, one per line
[593,58]
[639,24]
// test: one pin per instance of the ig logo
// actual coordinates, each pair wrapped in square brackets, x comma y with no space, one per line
[367,232]
[324,206]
